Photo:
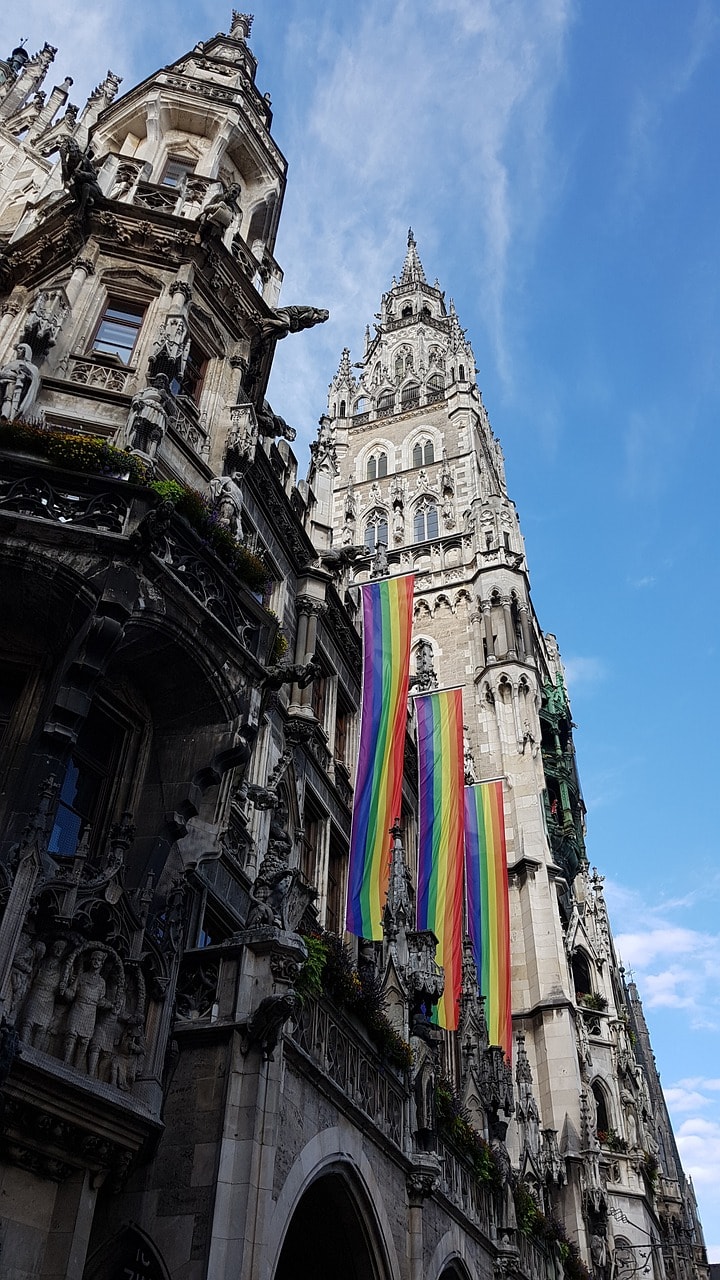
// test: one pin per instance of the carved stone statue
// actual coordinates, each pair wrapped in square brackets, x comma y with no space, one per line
[131,1053]
[448,514]
[221,211]
[271,424]
[226,504]
[170,348]
[380,564]
[43,322]
[84,989]
[291,320]
[80,177]
[301,674]
[350,501]
[148,417]
[260,913]
[19,384]
[151,533]
[268,1020]
[339,558]
[38,1015]
[26,956]
[425,676]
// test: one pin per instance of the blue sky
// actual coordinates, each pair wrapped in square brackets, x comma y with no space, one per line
[557,160]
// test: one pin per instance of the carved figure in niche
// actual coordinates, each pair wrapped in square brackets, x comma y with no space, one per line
[448,514]
[260,913]
[27,954]
[151,533]
[398,524]
[507,1221]
[348,533]
[220,211]
[101,1054]
[79,176]
[19,384]
[43,322]
[131,1053]
[291,320]
[350,501]
[423,1086]
[598,1253]
[397,491]
[631,1128]
[447,483]
[380,565]
[148,417]
[374,494]
[468,760]
[226,501]
[84,990]
[38,1018]
[170,348]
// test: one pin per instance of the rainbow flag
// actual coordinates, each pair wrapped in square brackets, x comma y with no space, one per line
[487,904]
[440,836]
[387,631]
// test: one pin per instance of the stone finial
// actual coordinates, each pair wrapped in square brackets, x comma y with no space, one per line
[412,272]
[240,25]
[398,910]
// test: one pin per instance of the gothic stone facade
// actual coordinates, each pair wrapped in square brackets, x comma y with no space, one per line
[178,1098]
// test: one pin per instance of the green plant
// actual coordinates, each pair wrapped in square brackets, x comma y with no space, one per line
[309,985]
[454,1122]
[195,508]
[73,450]
[362,996]
[593,1000]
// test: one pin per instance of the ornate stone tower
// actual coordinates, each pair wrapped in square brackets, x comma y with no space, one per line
[418,483]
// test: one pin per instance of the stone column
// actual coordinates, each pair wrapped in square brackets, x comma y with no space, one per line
[315,611]
[422,1181]
[510,641]
[486,610]
[526,631]
[304,611]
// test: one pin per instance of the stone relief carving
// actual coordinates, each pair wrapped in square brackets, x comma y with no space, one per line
[19,384]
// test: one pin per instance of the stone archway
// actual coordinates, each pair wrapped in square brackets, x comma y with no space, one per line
[131,1253]
[329,1236]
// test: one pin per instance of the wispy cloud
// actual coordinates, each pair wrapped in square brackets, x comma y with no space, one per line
[583,672]
[431,122]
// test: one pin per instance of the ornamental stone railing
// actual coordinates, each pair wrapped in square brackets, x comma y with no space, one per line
[91,373]
[459,1184]
[337,1049]
[34,496]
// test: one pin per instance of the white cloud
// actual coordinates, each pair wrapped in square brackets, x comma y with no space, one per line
[582,673]
[431,121]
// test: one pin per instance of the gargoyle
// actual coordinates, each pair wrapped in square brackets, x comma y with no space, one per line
[298,673]
[266,1024]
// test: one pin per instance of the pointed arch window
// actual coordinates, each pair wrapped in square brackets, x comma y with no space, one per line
[423,453]
[410,395]
[376,530]
[425,523]
[435,387]
[377,466]
[386,403]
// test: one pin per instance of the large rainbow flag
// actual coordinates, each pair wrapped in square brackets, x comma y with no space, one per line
[440,836]
[387,631]
[488,908]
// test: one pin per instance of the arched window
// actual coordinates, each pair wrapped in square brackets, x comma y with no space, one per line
[425,524]
[423,453]
[461,372]
[376,530]
[603,1117]
[406,311]
[581,973]
[435,387]
[386,403]
[360,405]
[342,408]
[410,395]
[377,466]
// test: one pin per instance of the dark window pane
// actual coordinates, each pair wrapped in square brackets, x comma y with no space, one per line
[382,465]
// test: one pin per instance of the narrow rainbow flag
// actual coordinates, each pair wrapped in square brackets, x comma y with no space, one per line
[440,836]
[387,631]
[488,907]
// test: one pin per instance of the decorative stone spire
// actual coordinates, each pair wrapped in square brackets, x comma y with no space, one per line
[241,25]
[398,911]
[412,272]
[344,376]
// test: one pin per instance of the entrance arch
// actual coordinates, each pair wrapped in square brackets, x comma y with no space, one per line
[331,1235]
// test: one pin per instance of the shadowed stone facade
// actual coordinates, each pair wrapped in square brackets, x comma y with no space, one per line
[198,1079]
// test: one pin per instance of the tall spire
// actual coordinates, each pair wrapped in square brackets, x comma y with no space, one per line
[412,272]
